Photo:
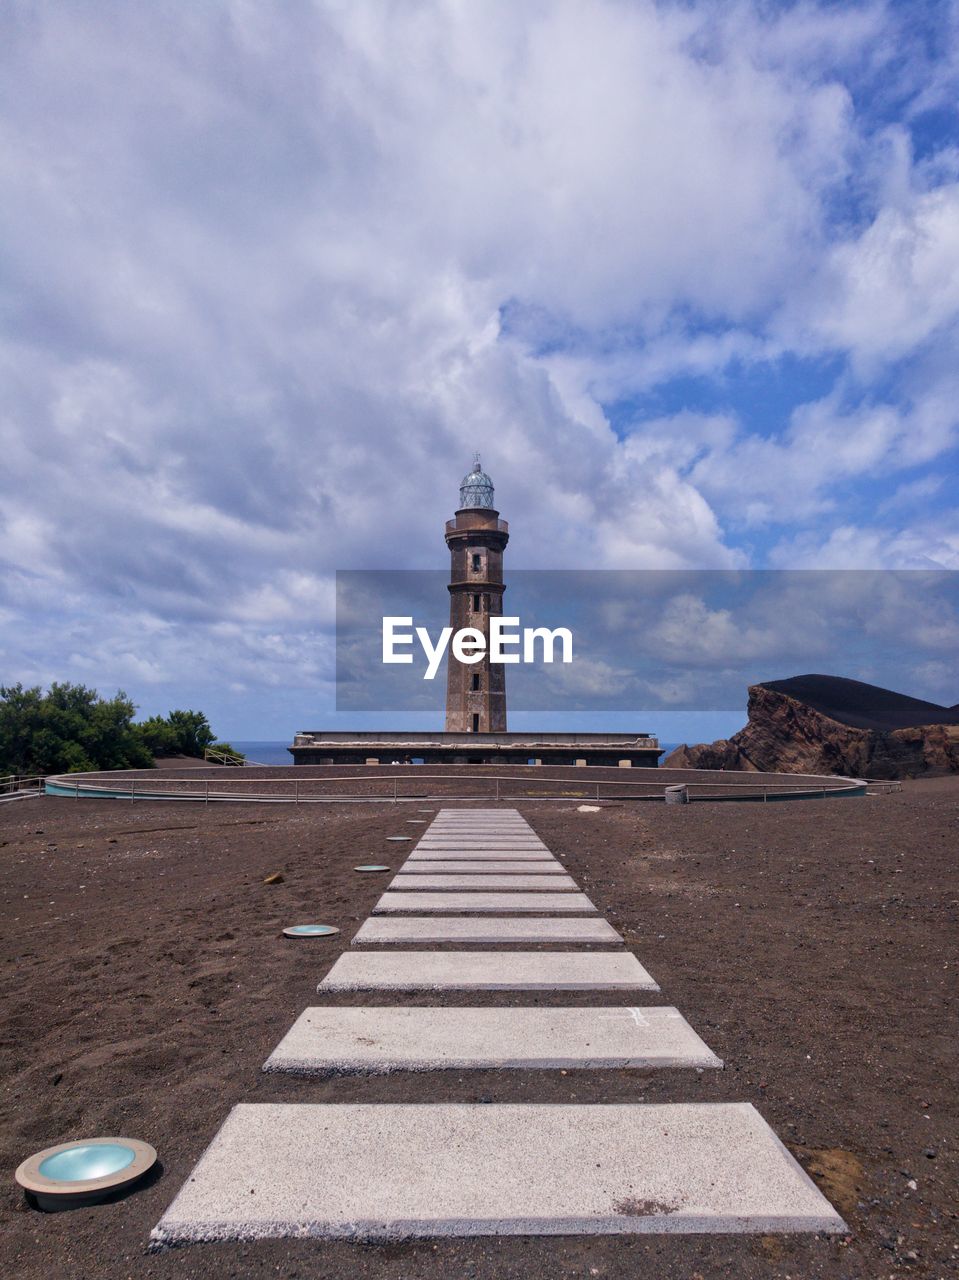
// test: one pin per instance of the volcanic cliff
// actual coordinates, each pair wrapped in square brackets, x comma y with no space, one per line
[827,724]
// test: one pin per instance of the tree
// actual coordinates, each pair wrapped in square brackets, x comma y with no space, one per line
[69,729]
[159,736]
[191,731]
[186,733]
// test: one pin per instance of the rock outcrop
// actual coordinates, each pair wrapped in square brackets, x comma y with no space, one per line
[787,733]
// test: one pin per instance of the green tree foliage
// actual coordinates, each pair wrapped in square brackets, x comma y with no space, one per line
[159,736]
[71,729]
[182,733]
[67,730]
[228,750]
[191,731]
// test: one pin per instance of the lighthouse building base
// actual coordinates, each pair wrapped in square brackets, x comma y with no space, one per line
[319,747]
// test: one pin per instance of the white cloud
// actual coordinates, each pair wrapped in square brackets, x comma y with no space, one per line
[760,480]
[897,284]
[276,274]
[927,545]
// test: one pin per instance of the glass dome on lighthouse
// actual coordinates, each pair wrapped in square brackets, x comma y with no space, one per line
[476,489]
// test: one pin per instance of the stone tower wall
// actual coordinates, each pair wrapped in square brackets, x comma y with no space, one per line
[476,693]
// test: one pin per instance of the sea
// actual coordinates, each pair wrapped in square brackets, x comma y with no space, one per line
[277,753]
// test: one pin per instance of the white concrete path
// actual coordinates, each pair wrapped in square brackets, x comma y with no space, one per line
[481,855]
[386,1171]
[492,903]
[482,846]
[371,1171]
[487,971]
[514,842]
[484,929]
[436,832]
[476,833]
[427,867]
[378,1040]
[516,881]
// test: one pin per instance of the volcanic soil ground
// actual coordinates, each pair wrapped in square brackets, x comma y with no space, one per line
[812,945]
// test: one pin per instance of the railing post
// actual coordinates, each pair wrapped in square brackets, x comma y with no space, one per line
[597,790]
[296,791]
[76,794]
[206,796]
[394,788]
[133,790]
[497,788]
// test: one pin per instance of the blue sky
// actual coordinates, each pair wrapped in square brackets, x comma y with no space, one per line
[687,274]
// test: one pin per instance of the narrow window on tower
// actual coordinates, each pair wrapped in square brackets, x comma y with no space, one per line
[476,604]
[477,562]
[475,722]
[476,682]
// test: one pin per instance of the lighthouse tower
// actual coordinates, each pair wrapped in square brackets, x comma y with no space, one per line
[476,537]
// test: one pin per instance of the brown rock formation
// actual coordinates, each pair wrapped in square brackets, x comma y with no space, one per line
[787,734]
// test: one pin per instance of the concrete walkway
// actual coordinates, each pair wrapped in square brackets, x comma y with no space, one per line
[542,867]
[371,1039]
[391,1171]
[487,971]
[490,902]
[474,880]
[380,930]
[481,879]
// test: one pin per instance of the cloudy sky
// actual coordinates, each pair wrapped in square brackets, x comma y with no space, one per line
[687,274]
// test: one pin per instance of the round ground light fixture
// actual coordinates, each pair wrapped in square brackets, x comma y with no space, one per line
[371,866]
[72,1174]
[310,930]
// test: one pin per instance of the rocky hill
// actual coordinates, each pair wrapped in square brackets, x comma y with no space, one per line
[827,724]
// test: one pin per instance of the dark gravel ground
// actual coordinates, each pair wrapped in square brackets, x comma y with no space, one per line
[812,945]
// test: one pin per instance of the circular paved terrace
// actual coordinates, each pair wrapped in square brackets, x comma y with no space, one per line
[292,784]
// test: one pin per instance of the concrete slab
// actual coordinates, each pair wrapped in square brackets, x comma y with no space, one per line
[492,903]
[517,881]
[512,824]
[480,842]
[479,855]
[466,843]
[484,848]
[479,826]
[427,867]
[376,1041]
[500,811]
[387,930]
[474,835]
[382,1171]
[487,971]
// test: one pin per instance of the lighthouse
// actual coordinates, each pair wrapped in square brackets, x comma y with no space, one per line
[477,538]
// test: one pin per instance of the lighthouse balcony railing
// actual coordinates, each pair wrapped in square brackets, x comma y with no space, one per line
[501,525]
